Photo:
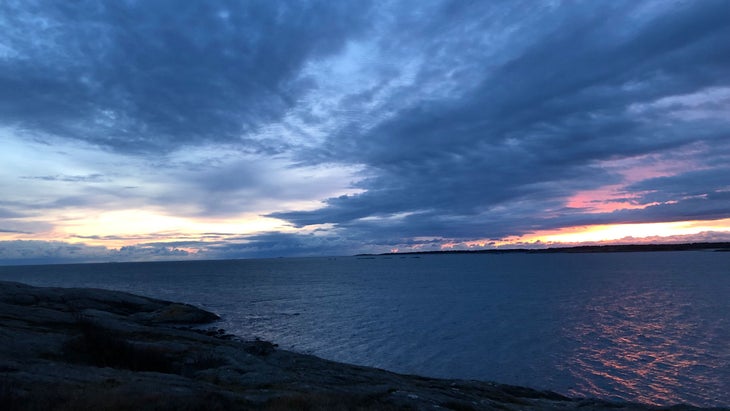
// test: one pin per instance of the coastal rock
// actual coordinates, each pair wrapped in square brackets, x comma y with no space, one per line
[175,313]
[78,349]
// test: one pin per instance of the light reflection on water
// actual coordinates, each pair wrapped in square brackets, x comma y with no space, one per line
[650,327]
[627,348]
[636,341]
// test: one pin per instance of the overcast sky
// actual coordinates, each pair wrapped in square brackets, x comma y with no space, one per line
[135,130]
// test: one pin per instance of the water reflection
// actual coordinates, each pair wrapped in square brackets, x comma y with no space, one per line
[640,345]
[650,327]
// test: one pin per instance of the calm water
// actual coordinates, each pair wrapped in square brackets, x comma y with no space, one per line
[650,327]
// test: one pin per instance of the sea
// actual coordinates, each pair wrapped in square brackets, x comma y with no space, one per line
[652,327]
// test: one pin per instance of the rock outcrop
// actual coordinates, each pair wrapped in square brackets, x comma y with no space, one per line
[75,349]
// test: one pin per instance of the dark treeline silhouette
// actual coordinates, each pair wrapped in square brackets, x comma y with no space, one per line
[615,248]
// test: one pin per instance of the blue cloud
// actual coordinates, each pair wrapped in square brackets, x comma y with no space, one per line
[139,76]
[534,129]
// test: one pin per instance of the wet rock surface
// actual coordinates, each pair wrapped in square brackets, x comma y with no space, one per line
[72,349]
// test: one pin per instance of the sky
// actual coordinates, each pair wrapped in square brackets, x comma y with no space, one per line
[146,130]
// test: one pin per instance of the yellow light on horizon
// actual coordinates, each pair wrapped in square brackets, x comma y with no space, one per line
[127,227]
[613,232]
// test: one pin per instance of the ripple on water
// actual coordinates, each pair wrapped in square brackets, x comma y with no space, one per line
[649,327]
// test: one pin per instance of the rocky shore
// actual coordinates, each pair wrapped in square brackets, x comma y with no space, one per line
[84,349]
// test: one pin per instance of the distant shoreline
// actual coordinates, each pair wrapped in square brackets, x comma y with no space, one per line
[616,248]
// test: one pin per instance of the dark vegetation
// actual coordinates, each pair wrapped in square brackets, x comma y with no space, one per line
[334,402]
[102,347]
[619,248]
[105,398]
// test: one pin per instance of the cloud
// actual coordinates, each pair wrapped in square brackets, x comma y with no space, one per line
[684,186]
[5,213]
[245,183]
[7,230]
[360,126]
[210,182]
[505,156]
[136,76]
[69,179]
[55,252]
[269,245]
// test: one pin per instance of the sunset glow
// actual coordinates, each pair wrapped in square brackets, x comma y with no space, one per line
[604,200]
[123,228]
[668,232]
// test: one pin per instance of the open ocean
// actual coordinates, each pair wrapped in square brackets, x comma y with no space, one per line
[649,327]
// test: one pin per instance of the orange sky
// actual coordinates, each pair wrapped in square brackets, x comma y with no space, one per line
[678,231]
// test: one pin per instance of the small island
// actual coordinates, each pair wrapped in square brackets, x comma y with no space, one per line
[91,349]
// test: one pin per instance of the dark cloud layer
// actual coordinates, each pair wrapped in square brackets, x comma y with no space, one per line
[137,76]
[532,130]
[462,121]
[57,252]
